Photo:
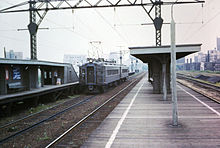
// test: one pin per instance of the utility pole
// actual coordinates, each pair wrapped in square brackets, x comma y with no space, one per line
[173,70]
[120,62]
[4,52]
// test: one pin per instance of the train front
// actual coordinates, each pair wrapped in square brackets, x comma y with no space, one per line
[88,76]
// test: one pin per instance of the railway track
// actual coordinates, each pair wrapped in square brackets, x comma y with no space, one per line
[208,85]
[44,131]
[209,90]
[34,114]
[40,116]
[90,116]
[31,115]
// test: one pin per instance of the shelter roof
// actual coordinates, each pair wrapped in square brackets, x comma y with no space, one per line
[31,62]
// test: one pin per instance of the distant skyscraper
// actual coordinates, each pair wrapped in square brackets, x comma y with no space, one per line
[218,44]
[75,60]
[14,55]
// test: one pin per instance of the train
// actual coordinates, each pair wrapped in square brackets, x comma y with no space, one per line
[98,75]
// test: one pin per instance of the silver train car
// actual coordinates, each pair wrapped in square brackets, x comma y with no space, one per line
[96,76]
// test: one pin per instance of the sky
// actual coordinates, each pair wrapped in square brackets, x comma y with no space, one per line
[71,32]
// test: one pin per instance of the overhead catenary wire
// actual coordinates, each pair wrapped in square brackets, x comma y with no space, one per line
[201,27]
[188,28]
[7,2]
[87,26]
[203,22]
[70,30]
[112,27]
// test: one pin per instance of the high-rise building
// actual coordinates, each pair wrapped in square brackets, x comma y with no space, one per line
[201,57]
[75,60]
[218,43]
[214,55]
[14,55]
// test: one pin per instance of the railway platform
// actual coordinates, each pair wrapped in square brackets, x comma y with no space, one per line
[34,92]
[33,96]
[144,119]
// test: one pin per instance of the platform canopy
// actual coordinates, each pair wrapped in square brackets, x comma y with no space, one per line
[31,62]
[145,53]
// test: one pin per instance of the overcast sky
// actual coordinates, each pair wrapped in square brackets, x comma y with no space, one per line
[71,32]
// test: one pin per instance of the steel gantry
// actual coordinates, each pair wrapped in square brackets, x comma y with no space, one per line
[39,8]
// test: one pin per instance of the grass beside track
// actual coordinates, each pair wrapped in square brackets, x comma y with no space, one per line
[33,110]
[205,73]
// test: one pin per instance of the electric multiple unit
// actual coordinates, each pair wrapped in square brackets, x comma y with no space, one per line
[96,76]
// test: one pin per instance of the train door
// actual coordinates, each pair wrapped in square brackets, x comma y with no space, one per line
[90,74]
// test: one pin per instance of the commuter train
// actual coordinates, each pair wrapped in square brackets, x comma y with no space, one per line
[97,75]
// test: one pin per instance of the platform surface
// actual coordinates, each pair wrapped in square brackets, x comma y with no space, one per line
[46,89]
[143,120]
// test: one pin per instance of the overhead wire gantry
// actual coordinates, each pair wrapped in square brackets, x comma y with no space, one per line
[38,9]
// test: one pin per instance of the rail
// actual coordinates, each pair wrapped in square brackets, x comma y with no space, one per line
[46,119]
[88,116]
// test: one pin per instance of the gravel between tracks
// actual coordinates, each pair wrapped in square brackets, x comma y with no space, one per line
[48,131]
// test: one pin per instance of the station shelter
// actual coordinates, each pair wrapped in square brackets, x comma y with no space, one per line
[19,75]
[159,62]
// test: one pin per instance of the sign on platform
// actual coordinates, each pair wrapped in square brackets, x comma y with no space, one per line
[16,73]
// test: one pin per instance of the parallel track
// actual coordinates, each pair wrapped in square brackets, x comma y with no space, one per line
[180,76]
[209,87]
[44,120]
[31,115]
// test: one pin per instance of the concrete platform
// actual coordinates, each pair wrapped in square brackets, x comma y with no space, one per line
[143,119]
[34,92]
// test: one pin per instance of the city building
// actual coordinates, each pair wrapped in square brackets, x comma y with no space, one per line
[75,60]
[201,57]
[14,55]
[213,55]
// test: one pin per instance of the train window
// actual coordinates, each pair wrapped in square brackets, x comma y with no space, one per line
[124,70]
[112,72]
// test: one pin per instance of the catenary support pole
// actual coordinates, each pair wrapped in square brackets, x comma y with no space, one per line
[173,72]
[32,27]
